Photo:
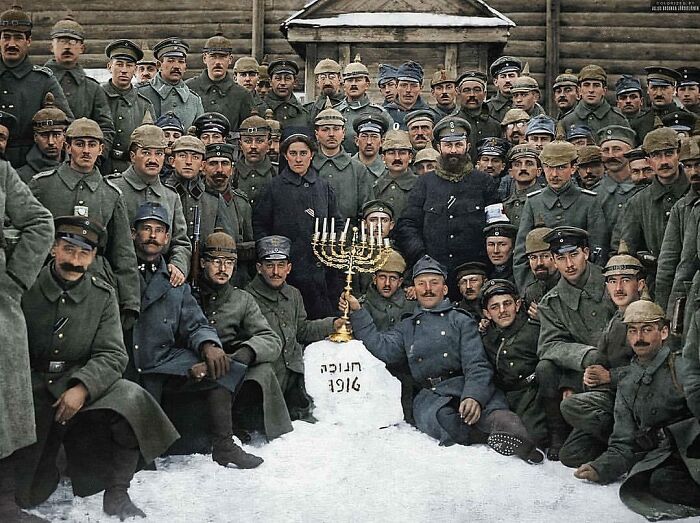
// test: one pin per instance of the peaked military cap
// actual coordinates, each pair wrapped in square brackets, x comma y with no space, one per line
[123,50]
[8,120]
[189,143]
[623,263]
[523,150]
[377,206]
[394,263]
[469,268]
[49,117]
[148,57]
[386,73]
[442,76]
[452,129]
[497,287]
[355,69]
[148,136]
[68,28]
[219,150]
[627,84]
[329,116]
[566,78]
[254,126]
[643,311]
[589,154]
[396,139]
[558,153]
[419,115]
[85,128]
[525,84]
[541,124]
[212,123]
[579,131]
[565,239]
[410,72]
[689,76]
[515,115]
[635,154]
[493,146]
[283,67]
[472,75]
[592,72]
[534,241]
[660,139]
[220,245]
[327,65]
[218,44]
[505,229]
[426,155]
[617,132]
[246,64]
[371,123]
[681,121]
[170,122]
[505,64]
[662,76]
[16,19]
[171,46]
[690,148]
[78,230]
[427,265]
[152,211]
[273,248]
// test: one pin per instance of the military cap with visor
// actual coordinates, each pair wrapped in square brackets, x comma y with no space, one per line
[68,28]
[658,75]
[493,146]
[419,115]
[220,245]
[589,154]
[427,154]
[410,72]
[470,269]
[148,136]
[505,64]
[373,206]
[534,241]
[660,139]
[326,66]
[617,132]
[123,50]
[219,150]
[49,117]
[441,76]
[15,19]
[567,78]
[273,247]
[558,153]
[329,116]
[84,128]
[592,72]
[428,265]
[148,57]
[355,69]
[282,67]
[472,75]
[627,84]
[386,74]
[580,131]
[452,129]
[680,121]
[523,150]
[246,64]
[171,47]
[152,211]
[190,144]
[371,123]
[8,120]
[504,229]
[564,239]
[635,154]
[254,126]
[525,84]
[514,116]
[170,122]
[212,122]
[690,75]
[497,287]
[396,139]
[218,44]
[541,124]
[623,263]
[84,232]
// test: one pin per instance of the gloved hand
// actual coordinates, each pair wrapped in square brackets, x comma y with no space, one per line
[244,355]
[216,359]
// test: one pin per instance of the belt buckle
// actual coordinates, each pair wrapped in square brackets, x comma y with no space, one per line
[56,366]
[434,382]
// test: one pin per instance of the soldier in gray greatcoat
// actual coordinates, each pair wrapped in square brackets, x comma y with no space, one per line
[285,107]
[23,249]
[255,170]
[504,71]
[24,86]
[398,179]
[77,356]
[655,437]
[458,402]
[167,91]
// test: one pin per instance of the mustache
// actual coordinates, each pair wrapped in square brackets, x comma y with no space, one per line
[69,267]
[151,242]
[642,344]
[562,99]
[397,162]
[428,294]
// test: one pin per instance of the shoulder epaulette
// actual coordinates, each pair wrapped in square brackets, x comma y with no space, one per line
[113,176]
[533,193]
[111,184]
[42,69]
[101,284]
[242,194]
[44,174]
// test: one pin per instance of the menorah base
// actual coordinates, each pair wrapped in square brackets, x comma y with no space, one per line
[342,335]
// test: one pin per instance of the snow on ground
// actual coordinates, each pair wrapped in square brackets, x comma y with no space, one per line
[344,469]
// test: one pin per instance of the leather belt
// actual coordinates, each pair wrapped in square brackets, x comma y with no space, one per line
[54,366]
[434,382]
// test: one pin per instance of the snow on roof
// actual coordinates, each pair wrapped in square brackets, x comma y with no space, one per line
[401,20]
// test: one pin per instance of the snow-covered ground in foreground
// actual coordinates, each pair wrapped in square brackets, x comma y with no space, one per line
[343,469]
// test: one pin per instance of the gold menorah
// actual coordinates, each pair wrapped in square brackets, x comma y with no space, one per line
[358,253]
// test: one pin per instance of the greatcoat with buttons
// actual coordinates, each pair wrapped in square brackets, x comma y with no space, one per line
[178,98]
[253,179]
[224,96]
[443,344]
[395,190]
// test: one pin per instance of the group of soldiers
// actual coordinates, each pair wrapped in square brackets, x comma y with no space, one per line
[540,294]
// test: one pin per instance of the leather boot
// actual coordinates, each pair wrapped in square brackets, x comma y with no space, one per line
[557,427]
[224,450]
[509,444]
[9,511]
[125,456]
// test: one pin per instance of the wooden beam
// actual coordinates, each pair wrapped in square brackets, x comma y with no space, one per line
[451,59]
[309,77]
[381,35]
[258,39]
[551,52]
